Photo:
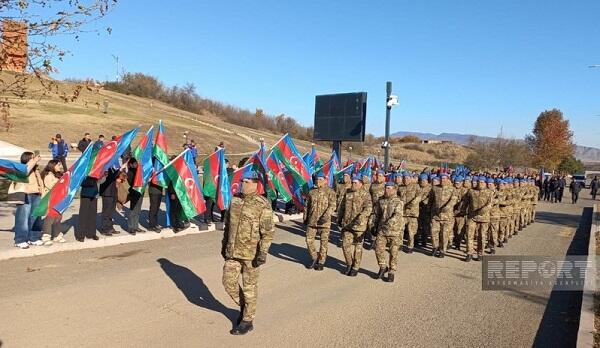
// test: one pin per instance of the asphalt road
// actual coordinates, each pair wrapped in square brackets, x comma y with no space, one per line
[169,293]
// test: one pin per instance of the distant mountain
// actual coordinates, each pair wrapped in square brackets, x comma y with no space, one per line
[583,153]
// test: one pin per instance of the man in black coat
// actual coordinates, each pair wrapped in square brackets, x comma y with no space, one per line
[108,192]
[575,188]
[562,183]
[156,193]
[594,187]
[83,143]
[135,199]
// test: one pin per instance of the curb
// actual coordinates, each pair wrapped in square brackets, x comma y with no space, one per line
[585,335]
[124,238]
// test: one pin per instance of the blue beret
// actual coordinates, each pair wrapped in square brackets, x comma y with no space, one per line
[390,183]
[489,180]
[458,178]
[320,175]
[482,178]
[380,172]
[499,181]
[509,180]
[415,175]
[444,175]
[423,177]
[405,173]
[356,178]
[435,177]
[250,175]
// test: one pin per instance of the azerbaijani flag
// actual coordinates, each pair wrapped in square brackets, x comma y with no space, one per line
[184,177]
[277,177]
[236,179]
[328,169]
[286,152]
[259,160]
[349,169]
[14,171]
[216,180]
[295,189]
[109,152]
[62,194]
[366,168]
[143,155]
[311,159]
[161,156]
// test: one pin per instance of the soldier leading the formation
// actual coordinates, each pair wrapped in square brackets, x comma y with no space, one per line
[320,205]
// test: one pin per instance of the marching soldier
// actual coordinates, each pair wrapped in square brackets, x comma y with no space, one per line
[505,212]
[424,215]
[478,217]
[441,202]
[535,192]
[320,205]
[462,186]
[340,189]
[495,215]
[353,216]
[410,195]
[389,212]
[248,233]
[375,191]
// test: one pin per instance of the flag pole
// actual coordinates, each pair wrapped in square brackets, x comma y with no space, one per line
[168,164]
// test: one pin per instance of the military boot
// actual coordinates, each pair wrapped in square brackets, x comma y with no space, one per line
[381,273]
[500,245]
[353,273]
[348,270]
[479,256]
[433,252]
[319,267]
[243,328]
[312,264]
[492,251]
[409,250]
[390,278]
[468,258]
[441,254]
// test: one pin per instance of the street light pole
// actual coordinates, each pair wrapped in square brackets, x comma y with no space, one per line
[388,109]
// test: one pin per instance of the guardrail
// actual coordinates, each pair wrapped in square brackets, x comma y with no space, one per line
[585,335]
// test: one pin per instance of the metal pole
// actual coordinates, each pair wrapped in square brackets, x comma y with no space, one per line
[386,150]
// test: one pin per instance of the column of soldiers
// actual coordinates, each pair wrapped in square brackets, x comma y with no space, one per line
[482,212]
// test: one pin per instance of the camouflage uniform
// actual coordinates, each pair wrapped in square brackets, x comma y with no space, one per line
[524,206]
[353,217]
[320,205]
[376,191]
[516,208]
[441,205]
[460,216]
[388,224]
[424,214]
[340,191]
[495,216]
[504,199]
[478,218]
[248,232]
[411,197]
[534,201]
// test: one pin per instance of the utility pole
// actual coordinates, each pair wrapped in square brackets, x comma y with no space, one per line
[390,101]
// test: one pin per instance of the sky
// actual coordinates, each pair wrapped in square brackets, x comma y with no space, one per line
[457,66]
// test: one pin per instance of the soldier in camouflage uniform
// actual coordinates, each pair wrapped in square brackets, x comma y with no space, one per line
[320,205]
[410,194]
[523,198]
[505,212]
[460,210]
[478,217]
[248,233]
[495,215]
[514,194]
[389,212]
[340,189]
[534,201]
[441,202]
[424,214]
[353,217]
[375,191]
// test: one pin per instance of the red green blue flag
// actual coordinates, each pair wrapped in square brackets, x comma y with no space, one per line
[14,171]
[160,152]
[143,155]
[184,177]
[216,180]
[106,156]
[286,152]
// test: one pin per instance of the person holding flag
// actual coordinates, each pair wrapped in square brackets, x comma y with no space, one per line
[320,205]
[247,237]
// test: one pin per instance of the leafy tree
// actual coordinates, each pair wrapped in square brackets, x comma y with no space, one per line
[570,165]
[551,140]
[42,20]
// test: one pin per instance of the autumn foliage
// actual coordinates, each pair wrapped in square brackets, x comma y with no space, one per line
[551,140]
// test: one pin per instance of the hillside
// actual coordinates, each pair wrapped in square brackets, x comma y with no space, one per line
[37,119]
[583,153]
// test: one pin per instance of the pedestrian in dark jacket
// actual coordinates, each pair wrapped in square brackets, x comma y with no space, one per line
[156,193]
[562,183]
[135,199]
[575,188]
[594,187]
[108,191]
[59,149]
[175,210]
[546,186]
[83,143]
[88,210]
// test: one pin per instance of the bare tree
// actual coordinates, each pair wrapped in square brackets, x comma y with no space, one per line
[41,20]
